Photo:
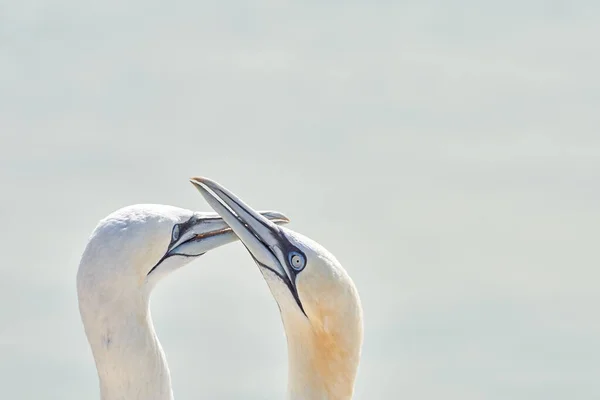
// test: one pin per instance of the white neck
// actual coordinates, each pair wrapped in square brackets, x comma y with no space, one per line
[129,358]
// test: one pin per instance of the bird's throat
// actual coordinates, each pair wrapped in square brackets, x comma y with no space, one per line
[320,366]
[129,358]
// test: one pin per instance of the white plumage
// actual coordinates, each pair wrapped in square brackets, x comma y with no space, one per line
[127,254]
[320,307]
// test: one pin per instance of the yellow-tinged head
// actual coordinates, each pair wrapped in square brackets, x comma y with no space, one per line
[319,303]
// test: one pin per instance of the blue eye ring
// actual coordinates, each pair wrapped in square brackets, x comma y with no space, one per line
[175,234]
[296,260]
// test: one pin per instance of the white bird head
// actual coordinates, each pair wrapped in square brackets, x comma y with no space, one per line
[319,303]
[127,254]
[133,248]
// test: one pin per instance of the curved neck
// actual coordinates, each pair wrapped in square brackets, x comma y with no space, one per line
[321,365]
[129,358]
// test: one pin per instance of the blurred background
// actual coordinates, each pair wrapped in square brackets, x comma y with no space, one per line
[448,155]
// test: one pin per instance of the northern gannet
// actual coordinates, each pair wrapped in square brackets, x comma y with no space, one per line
[318,302]
[127,254]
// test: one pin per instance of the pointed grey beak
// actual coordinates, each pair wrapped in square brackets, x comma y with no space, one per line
[204,232]
[265,241]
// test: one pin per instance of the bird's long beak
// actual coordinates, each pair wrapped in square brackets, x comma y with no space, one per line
[264,239]
[204,232]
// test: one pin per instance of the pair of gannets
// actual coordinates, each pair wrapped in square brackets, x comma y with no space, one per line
[135,247]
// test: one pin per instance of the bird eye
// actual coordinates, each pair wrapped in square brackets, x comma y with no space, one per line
[297,261]
[175,233]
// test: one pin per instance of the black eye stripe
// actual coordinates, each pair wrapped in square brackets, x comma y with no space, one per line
[288,249]
[182,228]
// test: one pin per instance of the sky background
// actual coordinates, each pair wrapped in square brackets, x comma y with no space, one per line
[447,154]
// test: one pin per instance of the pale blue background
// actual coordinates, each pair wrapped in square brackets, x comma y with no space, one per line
[448,153]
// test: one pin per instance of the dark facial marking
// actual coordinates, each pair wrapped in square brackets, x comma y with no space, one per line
[283,242]
[184,228]
[286,247]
